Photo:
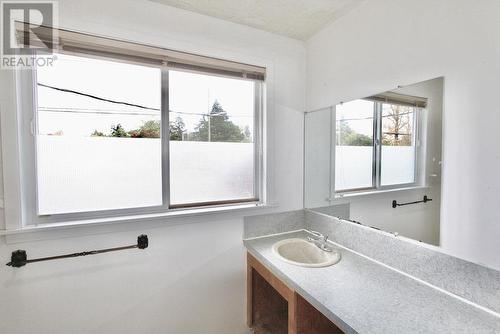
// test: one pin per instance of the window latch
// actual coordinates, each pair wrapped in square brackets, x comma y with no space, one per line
[32,127]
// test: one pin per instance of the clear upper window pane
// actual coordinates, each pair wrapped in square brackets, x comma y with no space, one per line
[212,147]
[398,144]
[98,136]
[354,145]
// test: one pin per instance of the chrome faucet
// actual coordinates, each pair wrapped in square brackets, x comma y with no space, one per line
[320,241]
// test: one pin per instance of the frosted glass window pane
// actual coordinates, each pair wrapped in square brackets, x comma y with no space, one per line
[211,138]
[398,144]
[92,154]
[354,145]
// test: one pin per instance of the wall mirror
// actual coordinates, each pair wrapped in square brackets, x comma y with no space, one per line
[377,160]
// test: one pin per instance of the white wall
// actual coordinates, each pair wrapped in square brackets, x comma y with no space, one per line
[385,43]
[192,278]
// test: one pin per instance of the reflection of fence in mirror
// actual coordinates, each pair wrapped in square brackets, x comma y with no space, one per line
[363,154]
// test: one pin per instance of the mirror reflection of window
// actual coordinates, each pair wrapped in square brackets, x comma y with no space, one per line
[375,144]
[362,155]
[398,144]
[354,145]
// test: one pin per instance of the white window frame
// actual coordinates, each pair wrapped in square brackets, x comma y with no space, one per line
[25,214]
[377,153]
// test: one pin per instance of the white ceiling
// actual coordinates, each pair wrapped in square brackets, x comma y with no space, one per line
[298,19]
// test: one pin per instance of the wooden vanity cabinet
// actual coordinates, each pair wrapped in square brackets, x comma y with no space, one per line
[275,308]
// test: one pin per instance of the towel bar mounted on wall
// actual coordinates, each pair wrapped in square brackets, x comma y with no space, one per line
[424,200]
[19,257]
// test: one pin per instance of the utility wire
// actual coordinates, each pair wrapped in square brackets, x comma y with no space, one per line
[113,112]
[371,117]
[108,112]
[92,111]
[96,97]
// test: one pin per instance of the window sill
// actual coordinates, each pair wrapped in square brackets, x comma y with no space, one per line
[184,213]
[376,192]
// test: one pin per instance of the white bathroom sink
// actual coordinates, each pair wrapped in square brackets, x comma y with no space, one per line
[303,253]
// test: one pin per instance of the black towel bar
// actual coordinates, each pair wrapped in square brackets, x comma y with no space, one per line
[424,200]
[19,257]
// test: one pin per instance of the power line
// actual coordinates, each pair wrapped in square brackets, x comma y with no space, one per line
[97,112]
[215,115]
[110,111]
[371,117]
[113,112]
[96,97]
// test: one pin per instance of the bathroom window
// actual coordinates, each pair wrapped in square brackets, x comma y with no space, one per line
[98,139]
[376,144]
[212,139]
[117,133]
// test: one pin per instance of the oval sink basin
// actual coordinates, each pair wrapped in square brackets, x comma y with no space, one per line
[303,253]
